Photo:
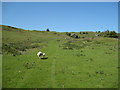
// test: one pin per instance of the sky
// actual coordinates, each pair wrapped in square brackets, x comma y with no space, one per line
[61,16]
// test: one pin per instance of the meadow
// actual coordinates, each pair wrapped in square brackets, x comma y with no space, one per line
[89,61]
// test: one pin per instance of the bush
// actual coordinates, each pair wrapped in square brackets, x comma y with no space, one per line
[47,30]
[9,49]
[70,45]
[111,34]
[98,31]
[67,33]
[83,37]
[34,45]
[84,33]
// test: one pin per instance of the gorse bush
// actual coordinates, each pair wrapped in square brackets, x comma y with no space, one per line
[111,34]
[17,48]
[34,45]
[73,45]
[83,32]
[67,33]
[7,48]
[10,28]
[72,35]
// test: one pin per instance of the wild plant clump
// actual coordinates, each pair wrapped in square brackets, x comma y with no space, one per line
[9,49]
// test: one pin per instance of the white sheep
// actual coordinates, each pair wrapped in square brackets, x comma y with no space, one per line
[43,55]
[40,54]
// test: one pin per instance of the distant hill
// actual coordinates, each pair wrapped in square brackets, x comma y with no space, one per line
[17,40]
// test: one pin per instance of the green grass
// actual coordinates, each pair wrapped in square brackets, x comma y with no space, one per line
[0,58]
[92,63]
[0,71]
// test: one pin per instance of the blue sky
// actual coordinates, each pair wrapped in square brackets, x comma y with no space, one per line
[61,16]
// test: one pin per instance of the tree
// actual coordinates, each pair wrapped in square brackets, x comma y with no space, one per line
[98,31]
[69,34]
[113,34]
[47,30]
[84,33]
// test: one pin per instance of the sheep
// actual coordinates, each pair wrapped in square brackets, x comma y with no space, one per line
[40,54]
[43,55]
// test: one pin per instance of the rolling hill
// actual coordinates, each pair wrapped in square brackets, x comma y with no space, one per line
[75,60]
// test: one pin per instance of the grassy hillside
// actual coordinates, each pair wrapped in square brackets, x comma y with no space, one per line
[86,62]
[0,58]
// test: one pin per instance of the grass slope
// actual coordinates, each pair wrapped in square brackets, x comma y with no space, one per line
[71,63]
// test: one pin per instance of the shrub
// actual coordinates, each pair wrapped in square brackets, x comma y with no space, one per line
[98,31]
[9,49]
[84,33]
[69,34]
[111,34]
[34,45]
[47,30]
[83,37]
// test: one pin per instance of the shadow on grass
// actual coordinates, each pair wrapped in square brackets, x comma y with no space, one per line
[44,58]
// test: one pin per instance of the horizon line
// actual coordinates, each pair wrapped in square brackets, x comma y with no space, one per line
[61,31]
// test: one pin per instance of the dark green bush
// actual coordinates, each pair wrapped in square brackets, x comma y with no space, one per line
[111,34]
[47,30]
[69,34]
